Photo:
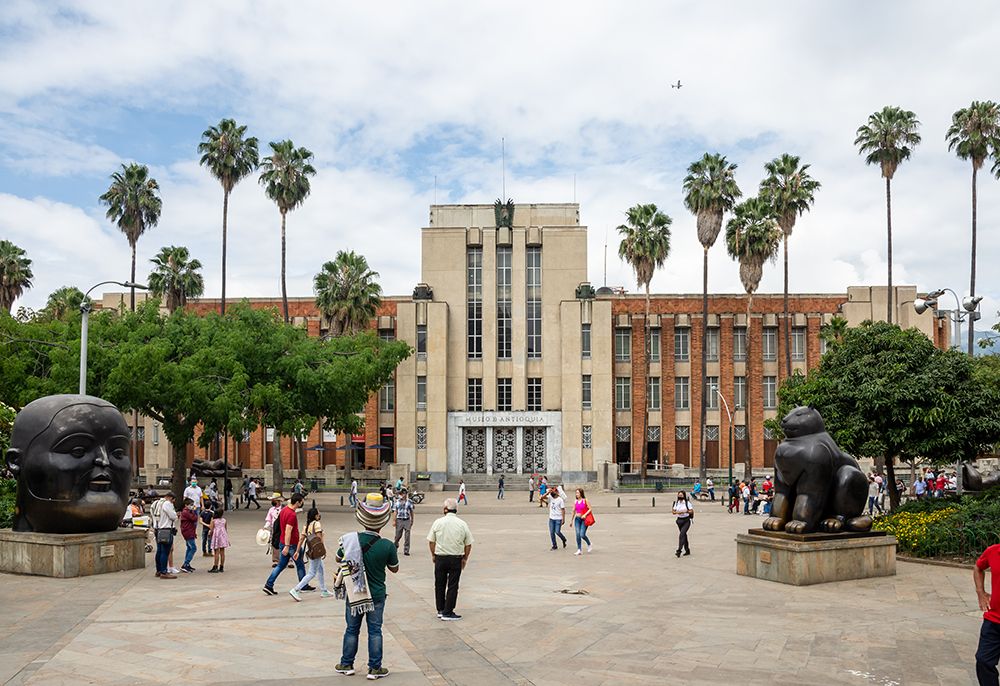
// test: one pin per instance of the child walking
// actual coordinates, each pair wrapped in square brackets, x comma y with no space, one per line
[220,541]
[316,569]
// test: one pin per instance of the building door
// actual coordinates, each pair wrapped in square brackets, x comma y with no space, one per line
[653,459]
[504,451]
[473,450]
[623,445]
[387,439]
[534,450]
[712,447]
[770,446]
[682,445]
[740,445]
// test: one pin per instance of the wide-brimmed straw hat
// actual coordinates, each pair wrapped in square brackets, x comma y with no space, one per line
[373,512]
[277,496]
[263,537]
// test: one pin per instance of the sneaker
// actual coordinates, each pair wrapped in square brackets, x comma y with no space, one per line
[553,548]
[347,670]
[440,615]
[452,617]
[269,591]
[173,570]
[295,594]
[377,673]
[590,548]
[578,552]
[326,594]
[308,587]
[186,569]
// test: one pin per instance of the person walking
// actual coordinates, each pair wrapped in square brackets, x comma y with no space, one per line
[220,541]
[288,526]
[734,501]
[557,516]
[403,520]
[581,516]
[500,488]
[252,494]
[353,497]
[873,502]
[461,492]
[531,488]
[227,492]
[309,548]
[269,520]
[194,493]
[543,489]
[165,522]
[988,653]
[450,542]
[683,509]
[363,558]
[745,492]
[189,532]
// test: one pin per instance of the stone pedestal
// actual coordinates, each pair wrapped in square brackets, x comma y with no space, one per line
[72,555]
[804,559]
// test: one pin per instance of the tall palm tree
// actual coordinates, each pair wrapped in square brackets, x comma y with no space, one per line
[63,301]
[834,330]
[347,292]
[645,246]
[15,273]
[791,192]
[974,135]
[887,140]
[229,157]
[710,191]
[752,238]
[134,205]
[285,178]
[175,277]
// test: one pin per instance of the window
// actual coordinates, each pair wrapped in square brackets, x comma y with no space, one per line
[769,434]
[387,335]
[712,432]
[421,392]
[474,303]
[623,393]
[504,395]
[712,392]
[387,397]
[682,344]
[653,393]
[798,343]
[533,295]
[586,391]
[623,434]
[623,345]
[475,395]
[822,346]
[770,392]
[712,345]
[503,302]
[585,341]
[740,344]
[682,393]
[421,438]
[740,432]
[770,342]
[421,341]
[587,440]
[534,395]
[739,392]
[682,433]
[652,433]
[654,345]
[156,434]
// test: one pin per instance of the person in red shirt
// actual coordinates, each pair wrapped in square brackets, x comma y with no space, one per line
[939,485]
[767,485]
[189,531]
[288,526]
[988,653]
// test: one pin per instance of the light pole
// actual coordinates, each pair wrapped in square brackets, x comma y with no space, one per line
[730,415]
[85,326]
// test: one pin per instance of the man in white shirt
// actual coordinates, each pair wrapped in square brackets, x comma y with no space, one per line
[746,499]
[531,488]
[252,494]
[165,523]
[194,492]
[710,485]
[557,516]
[353,498]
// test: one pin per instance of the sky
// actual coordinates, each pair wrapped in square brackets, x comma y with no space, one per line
[405,104]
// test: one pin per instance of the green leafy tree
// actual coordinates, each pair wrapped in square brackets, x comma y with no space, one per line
[710,191]
[175,277]
[752,238]
[887,140]
[645,246]
[64,302]
[15,274]
[347,293]
[974,135]
[134,205]
[229,156]
[285,178]
[791,191]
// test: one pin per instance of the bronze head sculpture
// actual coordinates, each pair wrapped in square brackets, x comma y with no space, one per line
[70,455]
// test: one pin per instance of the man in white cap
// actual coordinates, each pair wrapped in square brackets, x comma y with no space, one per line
[450,541]
[363,558]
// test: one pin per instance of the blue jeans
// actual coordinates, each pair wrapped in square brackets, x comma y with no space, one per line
[283,560]
[374,620]
[711,493]
[988,653]
[192,548]
[874,504]
[352,499]
[555,529]
[316,571]
[162,553]
[581,532]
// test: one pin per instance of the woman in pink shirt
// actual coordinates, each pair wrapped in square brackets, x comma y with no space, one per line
[580,511]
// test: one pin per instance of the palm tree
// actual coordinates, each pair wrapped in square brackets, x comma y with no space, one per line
[834,330]
[974,135]
[347,293]
[286,181]
[134,205]
[645,246]
[15,273]
[229,157]
[887,140]
[175,277]
[791,192]
[752,238]
[63,301]
[710,191]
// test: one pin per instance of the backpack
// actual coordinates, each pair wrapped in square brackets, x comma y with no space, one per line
[276,531]
[315,547]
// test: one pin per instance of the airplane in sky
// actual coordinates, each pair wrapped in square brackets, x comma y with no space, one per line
[676,85]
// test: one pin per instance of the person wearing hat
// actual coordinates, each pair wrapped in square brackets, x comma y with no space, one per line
[288,527]
[165,525]
[403,520]
[363,558]
[269,520]
[450,542]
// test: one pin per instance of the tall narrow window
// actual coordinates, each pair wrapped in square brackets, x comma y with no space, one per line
[533,295]
[587,440]
[534,395]
[503,302]
[623,393]
[822,345]
[585,341]
[682,344]
[682,393]
[623,344]
[504,395]
[421,341]
[770,343]
[799,343]
[712,392]
[421,392]
[387,397]
[654,345]
[474,303]
[712,345]
[770,387]
[475,395]
[585,391]
[740,344]
[739,392]
[653,393]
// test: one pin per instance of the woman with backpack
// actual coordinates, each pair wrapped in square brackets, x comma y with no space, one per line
[312,546]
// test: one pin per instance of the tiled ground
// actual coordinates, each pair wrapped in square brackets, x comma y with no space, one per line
[647,617]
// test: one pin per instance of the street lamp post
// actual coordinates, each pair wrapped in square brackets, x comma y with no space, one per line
[85,326]
[730,415]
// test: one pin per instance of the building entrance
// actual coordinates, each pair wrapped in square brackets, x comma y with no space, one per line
[504,443]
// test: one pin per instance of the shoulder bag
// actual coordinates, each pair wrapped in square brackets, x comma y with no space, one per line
[588,517]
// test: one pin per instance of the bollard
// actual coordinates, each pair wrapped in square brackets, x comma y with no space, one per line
[341,501]
[654,501]
[619,502]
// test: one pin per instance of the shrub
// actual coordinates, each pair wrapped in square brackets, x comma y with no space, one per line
[942,527]
[8,493]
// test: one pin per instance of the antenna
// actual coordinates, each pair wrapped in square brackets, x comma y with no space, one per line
[574,188]
[435,189]
[605,256]
[503,171]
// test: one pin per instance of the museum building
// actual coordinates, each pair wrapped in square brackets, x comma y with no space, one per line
[521,366]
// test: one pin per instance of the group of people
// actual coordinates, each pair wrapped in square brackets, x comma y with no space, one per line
[198,506]
[933,484]
[755,499]
[583,518]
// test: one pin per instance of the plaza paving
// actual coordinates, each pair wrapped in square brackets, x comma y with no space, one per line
[646,617]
